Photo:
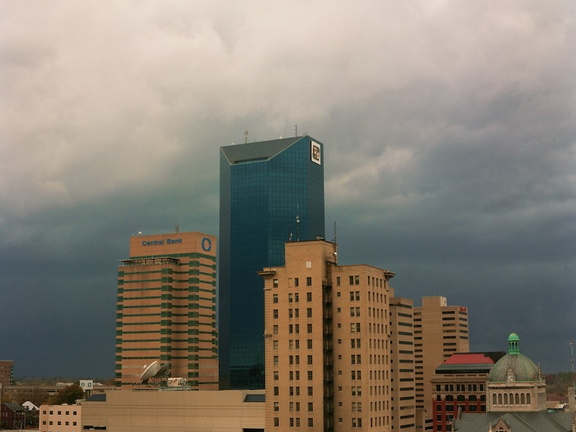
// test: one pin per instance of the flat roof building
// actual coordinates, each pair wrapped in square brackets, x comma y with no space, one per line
[166,309]
[175,411]
[6,372]
[459,386]
[440,330]
[270,191]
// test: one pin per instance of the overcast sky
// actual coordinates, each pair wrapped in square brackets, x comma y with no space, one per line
[450,154]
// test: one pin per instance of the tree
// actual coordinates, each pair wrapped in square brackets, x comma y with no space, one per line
[68,395]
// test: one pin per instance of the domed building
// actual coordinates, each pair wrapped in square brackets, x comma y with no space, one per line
[515,383]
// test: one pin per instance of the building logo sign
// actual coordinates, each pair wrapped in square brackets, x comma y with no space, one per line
[206,244]
[162,242]
[315,153]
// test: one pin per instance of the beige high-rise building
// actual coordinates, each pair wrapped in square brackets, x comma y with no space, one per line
[439,331]
[166,309]
[327,342]
[402,367]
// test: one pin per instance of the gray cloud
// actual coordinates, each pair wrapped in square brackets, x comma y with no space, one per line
[449,132]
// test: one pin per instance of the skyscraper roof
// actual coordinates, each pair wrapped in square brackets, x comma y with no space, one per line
[251,152]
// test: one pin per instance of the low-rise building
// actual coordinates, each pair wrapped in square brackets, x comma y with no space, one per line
[60,418]
[175,411]
[459,386]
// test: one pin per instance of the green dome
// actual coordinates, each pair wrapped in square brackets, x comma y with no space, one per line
[514,366]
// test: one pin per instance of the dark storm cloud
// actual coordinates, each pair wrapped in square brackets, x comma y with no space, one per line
[449,158]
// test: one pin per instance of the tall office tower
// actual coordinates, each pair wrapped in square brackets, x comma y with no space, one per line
[270,192]
[327,343]
[439,331]
[402,363]
[166,308]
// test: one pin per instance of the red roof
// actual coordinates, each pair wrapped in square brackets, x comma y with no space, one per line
[469,358]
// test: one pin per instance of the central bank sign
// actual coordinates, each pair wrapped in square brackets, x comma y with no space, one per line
[206,243]
[162,242]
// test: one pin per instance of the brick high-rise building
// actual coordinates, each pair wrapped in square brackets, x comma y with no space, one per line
[166,308]
[327,342]
[459,386]
[6,372]
[440,330]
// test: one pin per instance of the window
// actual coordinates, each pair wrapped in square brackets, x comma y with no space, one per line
[309,343]
[337,280]
[309,313]
[276,391]
[275,360]
[275,283]
[296,282]
[351,280]
[309,360]
[310,406]
[276,406]
[309,328]
[276,376]
[310,422]
[309,296]
[276,421]
[274,298]
[275,313]
[275,329]
[310,375]
[308,281]
[310,391]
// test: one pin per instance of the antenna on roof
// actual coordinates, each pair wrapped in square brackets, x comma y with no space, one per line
[297,222]
[245,136]
[177,228]
[296,130]
[335,233]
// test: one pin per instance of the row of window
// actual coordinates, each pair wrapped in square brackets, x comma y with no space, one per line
[471,398]
[44,412]
[511,399]
[459,388]
[354,343]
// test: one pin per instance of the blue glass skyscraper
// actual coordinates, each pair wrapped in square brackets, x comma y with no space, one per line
[271,192]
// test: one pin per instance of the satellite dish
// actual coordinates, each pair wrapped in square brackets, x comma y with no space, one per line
[150,371]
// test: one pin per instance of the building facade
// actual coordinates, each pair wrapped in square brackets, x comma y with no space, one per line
[515,383]
[60,418]
[6,372]
[440,330]
[175,411]
[402,364]
[459,386]
[327,342]
[270,192]
[166,309]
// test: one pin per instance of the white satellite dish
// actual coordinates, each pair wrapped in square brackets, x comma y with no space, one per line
[150,371]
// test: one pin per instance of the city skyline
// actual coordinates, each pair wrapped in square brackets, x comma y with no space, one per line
[450,147]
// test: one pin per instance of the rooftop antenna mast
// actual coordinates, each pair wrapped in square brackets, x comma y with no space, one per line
[245,136]
[295,130]
[177,228]
[297,222]
[572,361]
[335,233]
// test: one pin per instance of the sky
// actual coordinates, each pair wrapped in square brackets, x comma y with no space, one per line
[449,132]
